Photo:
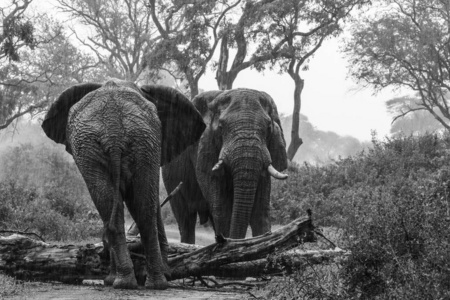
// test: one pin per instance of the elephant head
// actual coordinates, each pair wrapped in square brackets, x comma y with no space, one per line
[241,146]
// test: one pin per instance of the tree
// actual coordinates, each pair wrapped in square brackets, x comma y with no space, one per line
[190,32]
[16,30]
[321,147]
[405,45]
[122,33]
[241,33]
[298,28]
[27,86]
[414,123]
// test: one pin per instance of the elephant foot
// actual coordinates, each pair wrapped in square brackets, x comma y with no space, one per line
[167,272]
[109,280]
[128,282]
[157,284]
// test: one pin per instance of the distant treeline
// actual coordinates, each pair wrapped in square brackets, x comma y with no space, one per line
[320,147]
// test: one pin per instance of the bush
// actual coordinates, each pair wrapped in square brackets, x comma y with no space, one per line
[42,191]
[392,201]
[10,287]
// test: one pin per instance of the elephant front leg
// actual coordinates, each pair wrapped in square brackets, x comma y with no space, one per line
[186,220]
[220,200]
[260,218]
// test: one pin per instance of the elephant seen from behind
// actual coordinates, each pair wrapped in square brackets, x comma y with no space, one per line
[119,135]
[228,172]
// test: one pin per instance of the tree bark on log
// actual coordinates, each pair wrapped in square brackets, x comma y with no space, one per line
[29,259]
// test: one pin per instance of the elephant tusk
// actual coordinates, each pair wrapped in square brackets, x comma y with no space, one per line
[218,165]
[275,174]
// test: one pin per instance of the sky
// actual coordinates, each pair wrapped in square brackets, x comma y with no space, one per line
[330,100]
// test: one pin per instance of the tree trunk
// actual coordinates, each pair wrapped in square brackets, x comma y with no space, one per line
[224,77]
[193,85]
[296,141]
[25,258]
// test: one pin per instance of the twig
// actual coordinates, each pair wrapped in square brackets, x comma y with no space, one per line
[320,234]
[172,194]
[162,204]
[220,285]
[251,294]
[137,255]
[23,233]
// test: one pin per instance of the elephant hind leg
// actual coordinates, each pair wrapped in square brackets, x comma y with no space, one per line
[143,204]
[188,231]
[96,175]
[120,256]
[186,219]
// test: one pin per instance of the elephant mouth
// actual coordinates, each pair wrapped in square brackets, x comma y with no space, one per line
[219,166]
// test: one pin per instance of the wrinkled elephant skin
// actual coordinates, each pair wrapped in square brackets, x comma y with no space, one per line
[119,135]
[229,169]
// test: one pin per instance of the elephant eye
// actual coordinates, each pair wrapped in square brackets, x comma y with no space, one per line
[269,127]
[220,124]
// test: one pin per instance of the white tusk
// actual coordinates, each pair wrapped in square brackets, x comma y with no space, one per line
[275,174]
[218,165]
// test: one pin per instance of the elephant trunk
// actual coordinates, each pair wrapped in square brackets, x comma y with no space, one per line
[246,173]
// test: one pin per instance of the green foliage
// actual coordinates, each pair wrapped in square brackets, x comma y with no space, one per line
[392,203]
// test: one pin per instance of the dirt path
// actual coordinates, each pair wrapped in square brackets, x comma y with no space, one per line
[44,291]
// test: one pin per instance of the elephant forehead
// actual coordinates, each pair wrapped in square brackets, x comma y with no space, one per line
[243,99]
[118,84]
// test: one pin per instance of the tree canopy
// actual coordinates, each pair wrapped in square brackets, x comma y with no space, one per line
[120,33]
[405,44]
[16,30]
[27,86]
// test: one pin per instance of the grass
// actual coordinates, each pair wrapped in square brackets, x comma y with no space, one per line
[10,286]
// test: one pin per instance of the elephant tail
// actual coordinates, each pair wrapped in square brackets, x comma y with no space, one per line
[115,156]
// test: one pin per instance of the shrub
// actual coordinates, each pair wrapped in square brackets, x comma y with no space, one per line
[10,287]
[43,192]
[392,202]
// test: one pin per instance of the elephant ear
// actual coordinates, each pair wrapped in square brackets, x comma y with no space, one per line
[55,121]
[202,102]
[181,123]
[208,149]
[276,143]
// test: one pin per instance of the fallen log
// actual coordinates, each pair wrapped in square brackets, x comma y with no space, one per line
[26,258]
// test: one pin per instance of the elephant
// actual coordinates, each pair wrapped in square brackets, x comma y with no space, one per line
[227,171]
[119,135]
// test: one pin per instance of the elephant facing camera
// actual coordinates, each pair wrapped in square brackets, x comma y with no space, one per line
[228,172]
